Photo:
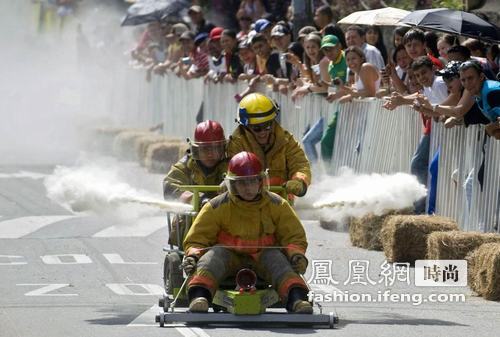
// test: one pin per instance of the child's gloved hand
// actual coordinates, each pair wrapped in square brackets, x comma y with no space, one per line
[299,263]
[296,187]
[189,265]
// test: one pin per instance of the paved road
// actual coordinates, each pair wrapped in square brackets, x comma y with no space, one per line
[65,274]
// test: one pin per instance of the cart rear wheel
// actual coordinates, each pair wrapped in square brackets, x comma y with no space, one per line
[172,273]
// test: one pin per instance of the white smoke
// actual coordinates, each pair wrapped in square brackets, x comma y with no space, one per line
[102,190]
[351,195]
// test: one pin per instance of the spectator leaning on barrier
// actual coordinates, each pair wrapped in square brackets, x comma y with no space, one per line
[366,76]
[264,27]
[265,55]
[463,54]
[248,59]
[259,132]
[312,74]
[229,45]
[216,61]
[459,107]
[355,36]
[486,92]
[397,70]
[196,64]
[435,89]
[204,164]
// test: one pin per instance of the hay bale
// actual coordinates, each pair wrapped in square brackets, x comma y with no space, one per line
[484,271]
[404,237]
[364,232]
[142,143]
[455,245]
[101,139]
[123,145]
[160,156]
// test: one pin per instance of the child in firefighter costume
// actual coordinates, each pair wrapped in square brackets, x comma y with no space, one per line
[246,226]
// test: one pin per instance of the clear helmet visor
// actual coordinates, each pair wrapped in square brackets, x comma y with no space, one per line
[247,187]
[208,150]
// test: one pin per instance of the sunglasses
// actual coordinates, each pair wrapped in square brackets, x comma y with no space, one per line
[244,18]
[261,127]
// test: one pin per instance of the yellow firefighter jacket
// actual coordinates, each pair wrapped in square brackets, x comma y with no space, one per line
[284,157]
[245,226]
[187,171]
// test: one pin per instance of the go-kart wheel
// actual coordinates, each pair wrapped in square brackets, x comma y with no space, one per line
[161,319]
[172,273]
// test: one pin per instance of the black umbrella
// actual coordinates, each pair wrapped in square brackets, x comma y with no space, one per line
[144,11]
[453,22]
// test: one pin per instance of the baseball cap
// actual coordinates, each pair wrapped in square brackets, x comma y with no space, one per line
[187,35]
[177,30]
[195,9]
[329,41]
[261,24]
[280,30]
[200,38]
[215,33]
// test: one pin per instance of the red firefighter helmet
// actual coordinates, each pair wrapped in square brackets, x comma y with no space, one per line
[209,131]
[209,141]
[245,167]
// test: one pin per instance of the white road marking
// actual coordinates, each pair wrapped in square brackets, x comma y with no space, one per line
[22,174]
[47,287]
[123,289]
[12,263]
[142,228]
[117,259]
[57,259]
[147,319]
[19,227]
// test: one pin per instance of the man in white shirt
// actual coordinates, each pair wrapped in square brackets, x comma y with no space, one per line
[434,88]
[355,36]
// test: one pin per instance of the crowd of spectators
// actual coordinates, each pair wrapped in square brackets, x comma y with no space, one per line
[449,78]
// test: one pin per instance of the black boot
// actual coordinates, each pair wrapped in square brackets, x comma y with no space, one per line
[198,299]
[297,301]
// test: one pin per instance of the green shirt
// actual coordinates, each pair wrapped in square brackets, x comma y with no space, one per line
[338,68]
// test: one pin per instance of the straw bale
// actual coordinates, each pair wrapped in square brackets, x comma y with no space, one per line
[484,271]
[142,143]
[161,156]
[364,232]
[455,245]
[123,145]
[404,237]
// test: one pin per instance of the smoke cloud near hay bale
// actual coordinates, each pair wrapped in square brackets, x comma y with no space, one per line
[123,145]
[404,237]
[455,245]
[336,199]
[102,139]
[160,156]
[364,232]
[484,271]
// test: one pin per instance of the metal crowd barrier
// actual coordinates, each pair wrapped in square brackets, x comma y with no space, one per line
[368,137]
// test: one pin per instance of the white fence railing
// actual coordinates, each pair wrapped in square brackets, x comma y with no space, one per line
[368,137]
